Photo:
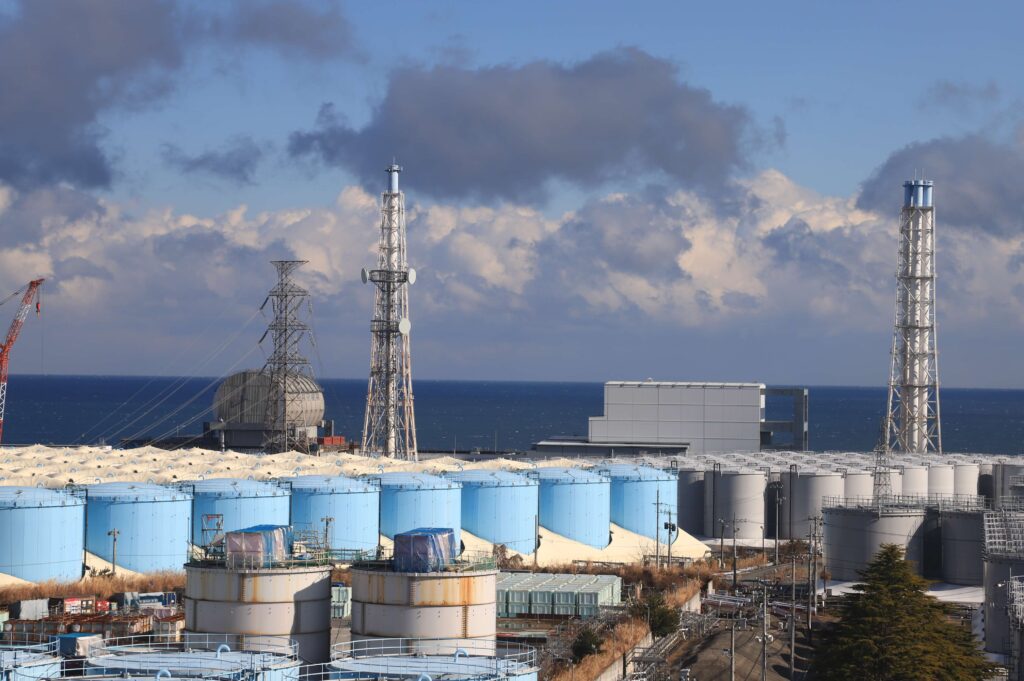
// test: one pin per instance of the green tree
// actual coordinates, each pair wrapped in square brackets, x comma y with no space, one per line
[587,642]
[891,630]
[660,617]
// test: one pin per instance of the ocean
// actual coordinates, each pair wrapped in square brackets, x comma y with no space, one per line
[462,415]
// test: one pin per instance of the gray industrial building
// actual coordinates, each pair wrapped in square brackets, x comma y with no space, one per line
[675,417]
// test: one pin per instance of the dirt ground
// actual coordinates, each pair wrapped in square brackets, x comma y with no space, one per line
[708,659]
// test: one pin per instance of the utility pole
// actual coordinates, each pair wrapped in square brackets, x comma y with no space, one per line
[721,541]
[657,529]
[734,575]
[670,527]
[778,506]
[764,633]
[792,624]
[732,653]
[113,555]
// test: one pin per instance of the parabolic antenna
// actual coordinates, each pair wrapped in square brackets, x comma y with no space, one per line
[404,326]
[364,275]
[412,276]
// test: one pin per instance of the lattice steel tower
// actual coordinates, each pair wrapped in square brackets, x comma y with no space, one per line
[290,306]
[389,426]
[912,415]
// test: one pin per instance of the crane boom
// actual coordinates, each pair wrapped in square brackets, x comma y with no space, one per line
[12,335]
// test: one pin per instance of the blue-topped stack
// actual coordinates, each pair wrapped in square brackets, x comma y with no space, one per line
[425,549]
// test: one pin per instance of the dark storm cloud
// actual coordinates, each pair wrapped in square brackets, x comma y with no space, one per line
[961,97]
[977,182]
[236,161]
[316,31]
[505,131]
[61,63]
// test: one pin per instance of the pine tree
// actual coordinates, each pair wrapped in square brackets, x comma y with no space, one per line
[891,630]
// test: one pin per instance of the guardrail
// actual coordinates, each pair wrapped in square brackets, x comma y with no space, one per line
[897,502]
[469,561]
[218,654]
[21,651]
[436,656]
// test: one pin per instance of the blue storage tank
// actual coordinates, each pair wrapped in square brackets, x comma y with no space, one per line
[242,503]
[500,507]
[412,500]
[636,491]
[153,524]
[576,504]
[41,534]
[354,504]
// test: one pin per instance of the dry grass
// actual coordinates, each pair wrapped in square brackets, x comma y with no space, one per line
[624,636]
[101,587]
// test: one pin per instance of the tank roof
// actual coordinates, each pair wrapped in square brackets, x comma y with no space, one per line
[627,471]
[489,478]
[36,497]
[332,484]
[136,491]
[400,480]
[236,488]
[569,476]
[13,654]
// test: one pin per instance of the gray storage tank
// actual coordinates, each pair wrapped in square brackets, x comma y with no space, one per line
[734,494]
[963,547]
[691,501]
[853,536]
[802,495]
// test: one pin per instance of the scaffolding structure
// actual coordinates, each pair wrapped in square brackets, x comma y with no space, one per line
[896,503]
[1015,611]
[912,416]
[389,425]
[287,329]
[1004,534]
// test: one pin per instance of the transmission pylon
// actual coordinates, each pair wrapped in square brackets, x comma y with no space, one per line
[389,425]
[912,413]
[289,304]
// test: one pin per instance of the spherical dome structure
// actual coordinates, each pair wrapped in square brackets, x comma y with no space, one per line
[243,398]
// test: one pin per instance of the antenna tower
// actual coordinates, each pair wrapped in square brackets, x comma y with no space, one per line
[289,303]
[389,426]
[912,413]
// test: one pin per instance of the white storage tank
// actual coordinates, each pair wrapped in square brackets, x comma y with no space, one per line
[963,547]
[965,478]
[915,481]
[858,484]
[734,494]
[802,494]
[941,479]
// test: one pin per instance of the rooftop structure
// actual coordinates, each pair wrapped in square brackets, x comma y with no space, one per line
[389,426]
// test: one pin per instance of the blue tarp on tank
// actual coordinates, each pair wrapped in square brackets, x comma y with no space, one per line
[425,549]
[258,545]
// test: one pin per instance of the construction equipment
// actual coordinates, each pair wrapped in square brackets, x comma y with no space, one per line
[12,335]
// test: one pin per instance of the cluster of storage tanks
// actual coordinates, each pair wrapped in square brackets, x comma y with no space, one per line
[158,525]
[747,496]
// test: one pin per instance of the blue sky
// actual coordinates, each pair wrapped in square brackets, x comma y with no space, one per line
[596,191]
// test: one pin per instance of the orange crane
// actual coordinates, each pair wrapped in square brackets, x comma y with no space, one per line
[12,335]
